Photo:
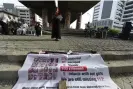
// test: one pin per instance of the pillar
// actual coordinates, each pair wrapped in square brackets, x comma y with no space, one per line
[67,19]
[44,18]
[79,17]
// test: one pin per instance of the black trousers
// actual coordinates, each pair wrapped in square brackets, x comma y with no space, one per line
[4,28]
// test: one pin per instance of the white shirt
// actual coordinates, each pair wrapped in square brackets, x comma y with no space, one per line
[5,19]
[1,16]
[25,25]
[60,17]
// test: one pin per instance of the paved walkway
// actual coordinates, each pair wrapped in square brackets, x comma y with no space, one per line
[24,44]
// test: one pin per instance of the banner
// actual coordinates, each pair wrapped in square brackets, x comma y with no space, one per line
[82,71]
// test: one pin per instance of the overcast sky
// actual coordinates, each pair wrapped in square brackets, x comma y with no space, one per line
[16,2]
[85,18]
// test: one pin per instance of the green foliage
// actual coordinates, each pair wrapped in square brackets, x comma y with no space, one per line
[100,27]
[113,32]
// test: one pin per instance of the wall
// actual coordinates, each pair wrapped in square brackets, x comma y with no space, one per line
[38,19]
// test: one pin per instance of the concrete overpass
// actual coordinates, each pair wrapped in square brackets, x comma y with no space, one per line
[71,10]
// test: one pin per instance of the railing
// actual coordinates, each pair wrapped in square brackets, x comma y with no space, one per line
[129,7]
[128,13]
[128,3]
[128,18]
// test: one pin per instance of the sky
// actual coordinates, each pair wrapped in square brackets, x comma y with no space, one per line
[16,2]
[88,16]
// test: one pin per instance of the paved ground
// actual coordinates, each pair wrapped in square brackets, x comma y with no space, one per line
[124,81]
[24,44]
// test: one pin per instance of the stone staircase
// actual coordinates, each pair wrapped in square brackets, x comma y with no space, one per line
[77,32]
[119,64]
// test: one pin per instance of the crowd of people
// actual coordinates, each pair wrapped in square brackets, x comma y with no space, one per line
[95,32]
[21,28]
[18,28]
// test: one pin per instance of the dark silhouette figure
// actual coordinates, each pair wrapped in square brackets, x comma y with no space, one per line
[56,33]
[126,31]
[4,27]
[38,29]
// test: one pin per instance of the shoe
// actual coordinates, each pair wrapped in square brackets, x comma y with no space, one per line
[56,40]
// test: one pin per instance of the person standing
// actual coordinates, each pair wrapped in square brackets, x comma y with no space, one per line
[38,29]
[4,24]
[56,33]
[87,29]
[25,28]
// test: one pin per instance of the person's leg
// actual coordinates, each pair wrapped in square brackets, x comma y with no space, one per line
[56,39]
[2,24]
[22,32]
[6,28]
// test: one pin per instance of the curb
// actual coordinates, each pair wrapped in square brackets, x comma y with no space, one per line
[21,58]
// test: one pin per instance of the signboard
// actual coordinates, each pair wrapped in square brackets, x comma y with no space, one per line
[82,71]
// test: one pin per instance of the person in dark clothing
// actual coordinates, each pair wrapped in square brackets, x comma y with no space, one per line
[56,33]
[38,29]
[87,29]
[1,23]
[4,28]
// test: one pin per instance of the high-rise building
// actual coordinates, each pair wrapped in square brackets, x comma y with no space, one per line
[24,13]
[28,15]
[109,13]
[128,12]
[9,7]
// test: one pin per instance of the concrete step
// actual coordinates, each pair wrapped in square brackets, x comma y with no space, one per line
[19,56]
[124,81]
[10,70]
[7,84]
[117,55]
[120,66]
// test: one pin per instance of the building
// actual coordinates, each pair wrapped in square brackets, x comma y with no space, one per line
[1,7]
[8,15]
[28,15]
[97,10]
[9,7]
[38,19]
[24,13]
[109,13]
[128,12]
[8,11]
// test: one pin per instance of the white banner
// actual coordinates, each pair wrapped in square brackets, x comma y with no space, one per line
[83,71]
